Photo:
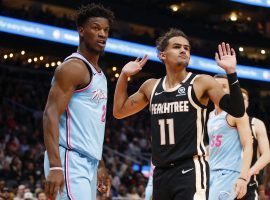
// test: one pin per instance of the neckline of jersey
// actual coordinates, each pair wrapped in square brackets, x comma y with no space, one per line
[177,86]
[101,72]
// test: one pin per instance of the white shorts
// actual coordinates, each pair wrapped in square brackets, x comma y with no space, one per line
[80,175]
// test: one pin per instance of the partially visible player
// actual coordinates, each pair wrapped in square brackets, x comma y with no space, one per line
[229,137]
[149,187]
[261,154]
[74,116]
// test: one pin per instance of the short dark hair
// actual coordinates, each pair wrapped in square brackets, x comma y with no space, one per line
[92,10]
[163,41]
[221,76]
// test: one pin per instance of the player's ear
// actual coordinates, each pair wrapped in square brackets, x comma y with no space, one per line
[162,55]
[80,30]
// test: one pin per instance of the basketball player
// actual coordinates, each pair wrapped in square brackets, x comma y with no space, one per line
[149,187]
[178,105]
[74,117]
[228,136]
[261,153]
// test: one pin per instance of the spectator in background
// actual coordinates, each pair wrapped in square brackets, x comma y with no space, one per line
[20,192]
[41,195]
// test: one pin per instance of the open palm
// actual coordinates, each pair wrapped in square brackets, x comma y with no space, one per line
[226,58]
[133,67]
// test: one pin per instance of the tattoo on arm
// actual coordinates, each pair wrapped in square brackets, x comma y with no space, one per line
[133,101]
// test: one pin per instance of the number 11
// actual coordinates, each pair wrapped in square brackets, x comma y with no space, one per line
[170,123]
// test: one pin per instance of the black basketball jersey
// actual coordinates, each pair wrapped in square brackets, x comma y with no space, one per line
[177,123]
[256,154]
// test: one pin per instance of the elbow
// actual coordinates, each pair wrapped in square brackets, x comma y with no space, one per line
[117,114]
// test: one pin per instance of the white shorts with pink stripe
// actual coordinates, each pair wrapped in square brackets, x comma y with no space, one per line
[80,175]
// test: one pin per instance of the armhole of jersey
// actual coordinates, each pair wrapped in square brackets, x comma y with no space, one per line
[90,74]
[226,118]
[153,91]
[193,95]
[252,126]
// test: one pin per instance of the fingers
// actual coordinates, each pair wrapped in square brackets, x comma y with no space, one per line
[217,58]
[220,51]
[224,48]
[143,61]
[233,52]
[228,49]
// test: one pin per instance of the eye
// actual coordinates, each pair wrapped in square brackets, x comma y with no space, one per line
[186,48]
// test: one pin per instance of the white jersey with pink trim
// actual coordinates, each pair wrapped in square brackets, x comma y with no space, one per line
[82,125]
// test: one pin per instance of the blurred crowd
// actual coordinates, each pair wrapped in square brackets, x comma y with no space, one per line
[23,94]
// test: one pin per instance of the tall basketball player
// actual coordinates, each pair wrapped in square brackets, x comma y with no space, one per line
[261,154]
[74,117]
[230,137]
[178,105]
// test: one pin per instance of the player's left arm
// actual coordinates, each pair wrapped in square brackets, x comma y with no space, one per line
[245,135]
[263,145]
[104,181]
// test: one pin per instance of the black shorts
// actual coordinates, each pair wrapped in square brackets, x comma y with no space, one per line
[182,181]
[252,187]
[252,192]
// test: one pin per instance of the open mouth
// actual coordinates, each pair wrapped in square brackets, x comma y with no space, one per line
[101,43]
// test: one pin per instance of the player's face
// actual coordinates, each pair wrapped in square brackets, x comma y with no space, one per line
[94,33]
[245,100]
[224,84]
[177,53]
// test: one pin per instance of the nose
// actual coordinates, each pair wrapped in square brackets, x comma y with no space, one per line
[102,33]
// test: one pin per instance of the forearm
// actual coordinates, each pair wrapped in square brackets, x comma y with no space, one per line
[261,162]
[51,139]
[233,103]
[120,95]
[246,161]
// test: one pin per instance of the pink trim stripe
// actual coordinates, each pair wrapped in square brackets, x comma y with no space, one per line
[68,128]
[85,88]
[67,178]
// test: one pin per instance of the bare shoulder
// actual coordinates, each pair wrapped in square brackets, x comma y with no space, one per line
[72,71]
[204,79]
[258,122]
[147,87]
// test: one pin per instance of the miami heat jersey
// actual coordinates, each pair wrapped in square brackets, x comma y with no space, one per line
[82,125]
[177,123]
[225,148]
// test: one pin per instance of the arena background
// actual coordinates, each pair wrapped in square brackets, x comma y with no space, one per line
[30,52]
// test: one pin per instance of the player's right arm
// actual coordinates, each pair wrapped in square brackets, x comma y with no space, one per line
[243,128]
[263,145]
[67,77]
[125,105]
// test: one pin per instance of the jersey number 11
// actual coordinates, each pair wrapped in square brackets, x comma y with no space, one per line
[170,124]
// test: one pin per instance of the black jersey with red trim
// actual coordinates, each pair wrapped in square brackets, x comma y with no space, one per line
[178,122]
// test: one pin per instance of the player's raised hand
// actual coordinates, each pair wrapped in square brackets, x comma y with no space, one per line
[226,58]
[133,67]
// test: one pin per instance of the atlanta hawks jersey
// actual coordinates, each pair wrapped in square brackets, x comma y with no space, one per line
[82,125]
[256,154]
[177,123]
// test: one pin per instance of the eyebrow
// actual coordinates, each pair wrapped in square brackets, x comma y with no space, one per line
[185,45]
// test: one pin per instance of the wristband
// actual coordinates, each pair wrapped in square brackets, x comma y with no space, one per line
[56,168]
[242,179]
[232,78]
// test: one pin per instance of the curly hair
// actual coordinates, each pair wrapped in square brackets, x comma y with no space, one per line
[163,41]
[92,10]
